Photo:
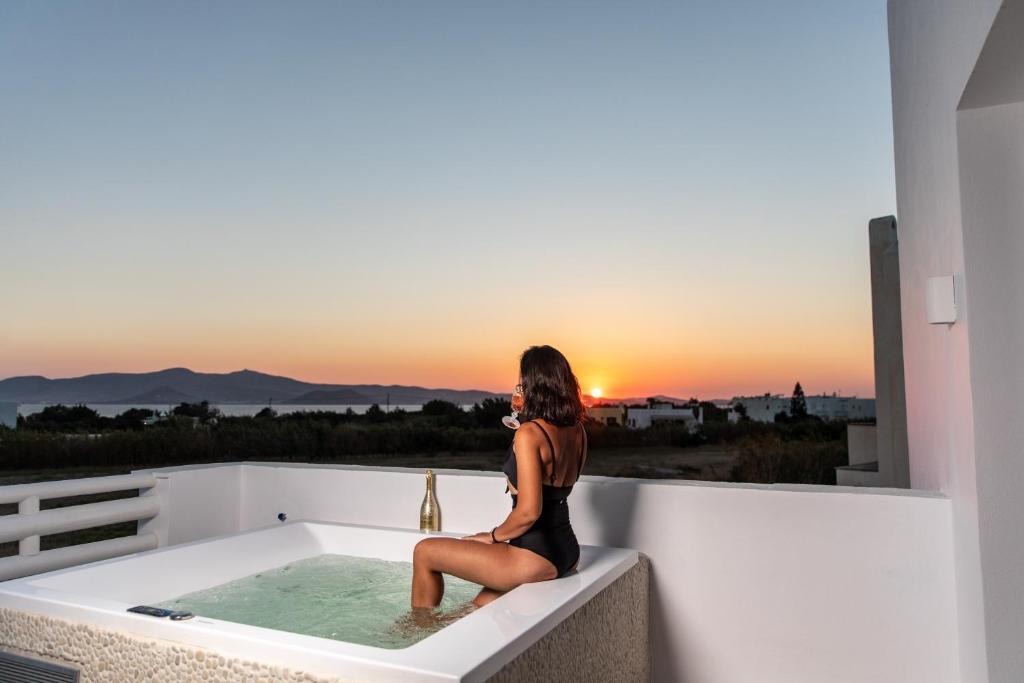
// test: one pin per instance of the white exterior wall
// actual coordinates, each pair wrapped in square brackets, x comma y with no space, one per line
[641,418]
[840,407]
[8,415]
[767,583]
[197,501]
[764,408]
[992,171]
[607,414]
[959,444]
[991,159]
[862,443]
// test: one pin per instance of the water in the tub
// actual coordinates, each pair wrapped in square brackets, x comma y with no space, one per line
[354,599]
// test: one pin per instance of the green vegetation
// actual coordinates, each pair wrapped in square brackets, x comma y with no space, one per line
[801,450]
[798,403]
[64,442]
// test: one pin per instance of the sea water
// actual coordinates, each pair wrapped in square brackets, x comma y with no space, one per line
[354,599]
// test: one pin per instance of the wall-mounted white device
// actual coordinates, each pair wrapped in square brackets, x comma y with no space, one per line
[941,300]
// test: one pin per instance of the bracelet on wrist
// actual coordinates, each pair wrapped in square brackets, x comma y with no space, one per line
[493,539]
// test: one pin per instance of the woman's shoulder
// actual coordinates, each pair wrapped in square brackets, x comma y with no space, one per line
[528,432]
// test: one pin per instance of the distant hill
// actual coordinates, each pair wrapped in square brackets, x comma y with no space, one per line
[327,397]
[638,400]
[413,396]
[160,395]
[176,385]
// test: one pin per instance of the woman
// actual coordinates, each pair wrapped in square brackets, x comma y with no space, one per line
[536,541]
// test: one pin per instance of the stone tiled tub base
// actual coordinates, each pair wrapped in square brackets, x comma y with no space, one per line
[605,640]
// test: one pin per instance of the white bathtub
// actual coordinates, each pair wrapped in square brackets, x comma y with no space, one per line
[471,649]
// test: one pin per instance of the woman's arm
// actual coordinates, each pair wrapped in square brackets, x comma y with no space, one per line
[529,473]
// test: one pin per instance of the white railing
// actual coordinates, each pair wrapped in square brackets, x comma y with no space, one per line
[30,522]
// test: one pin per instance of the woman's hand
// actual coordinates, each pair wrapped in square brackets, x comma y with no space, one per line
[482,537]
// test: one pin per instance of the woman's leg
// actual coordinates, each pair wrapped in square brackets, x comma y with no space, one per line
[497,566]
[487,595]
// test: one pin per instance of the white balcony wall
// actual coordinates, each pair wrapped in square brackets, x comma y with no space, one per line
[963,380]
[196,502]
[749,583]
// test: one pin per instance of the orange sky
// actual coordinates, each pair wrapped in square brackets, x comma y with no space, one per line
[642,352]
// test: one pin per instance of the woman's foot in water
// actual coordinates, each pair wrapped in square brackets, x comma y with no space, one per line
[418,619]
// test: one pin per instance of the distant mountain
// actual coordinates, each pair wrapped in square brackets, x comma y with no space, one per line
[159,395]
[398,394]
[638,400]
[326,397]
[176,385]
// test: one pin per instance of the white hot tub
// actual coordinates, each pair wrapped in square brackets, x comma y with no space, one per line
[471,649]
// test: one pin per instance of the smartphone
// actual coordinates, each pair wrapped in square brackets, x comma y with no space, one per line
[151,611]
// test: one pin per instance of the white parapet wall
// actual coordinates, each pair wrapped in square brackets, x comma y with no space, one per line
[749,582]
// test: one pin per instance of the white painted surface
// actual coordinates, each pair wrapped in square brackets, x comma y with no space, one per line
[44,490]
[74,555]
[992,186]
[30,523]
[934,47]
[862,446]
[73,518]
[471,649]
[750,582]
[608,414]
[862,443]
[764,408]
[940,303]
[642,418]
[209,504]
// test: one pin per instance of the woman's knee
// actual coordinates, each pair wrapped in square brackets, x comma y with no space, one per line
[425,551]
[487,595]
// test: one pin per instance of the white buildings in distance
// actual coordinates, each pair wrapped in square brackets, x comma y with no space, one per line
[762,408]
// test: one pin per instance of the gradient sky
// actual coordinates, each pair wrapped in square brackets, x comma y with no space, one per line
[676,195]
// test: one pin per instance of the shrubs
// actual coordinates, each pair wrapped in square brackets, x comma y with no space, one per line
[769,459]
[794,451]
[243,438]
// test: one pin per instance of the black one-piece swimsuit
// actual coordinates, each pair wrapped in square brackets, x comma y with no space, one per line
[551,536]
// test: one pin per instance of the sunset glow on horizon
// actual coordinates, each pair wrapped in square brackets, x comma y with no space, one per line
[375,193]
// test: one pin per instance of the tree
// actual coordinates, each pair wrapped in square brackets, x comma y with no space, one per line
[133,418]
[202,411]
[441,408]
[375,414]
[798,404]
[488,413]
[62,418]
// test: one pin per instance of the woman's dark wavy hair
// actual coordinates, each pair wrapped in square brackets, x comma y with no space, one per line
[550,389]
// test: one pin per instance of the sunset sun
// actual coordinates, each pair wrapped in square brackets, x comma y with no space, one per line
[596,392]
